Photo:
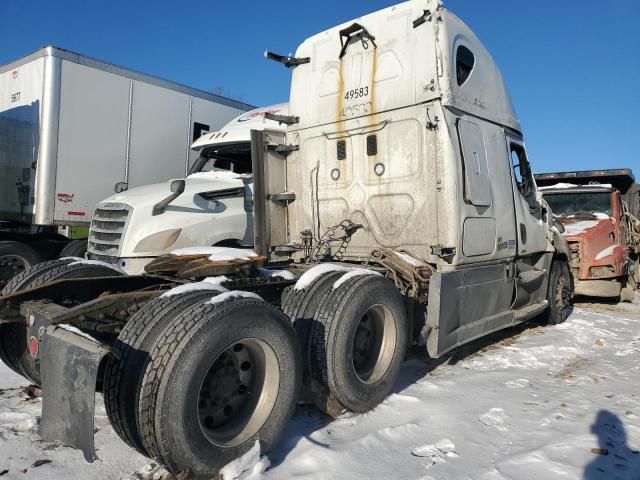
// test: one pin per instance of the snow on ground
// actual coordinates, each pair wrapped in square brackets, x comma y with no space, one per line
[530,403]
[24,456]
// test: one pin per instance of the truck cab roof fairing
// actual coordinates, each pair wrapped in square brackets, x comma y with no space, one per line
[399,76]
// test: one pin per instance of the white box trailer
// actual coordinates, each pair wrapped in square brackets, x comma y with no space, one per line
[74,129]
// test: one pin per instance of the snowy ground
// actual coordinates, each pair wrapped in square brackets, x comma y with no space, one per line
[532,403]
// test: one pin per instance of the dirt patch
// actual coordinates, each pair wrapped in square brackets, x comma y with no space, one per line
[568,372]
[509,341]
[604,306]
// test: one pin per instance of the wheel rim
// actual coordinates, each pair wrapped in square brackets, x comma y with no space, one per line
[374,344]
[238,392]
[563,295]
[10,266]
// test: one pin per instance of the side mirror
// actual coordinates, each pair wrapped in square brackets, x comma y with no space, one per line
[177,188]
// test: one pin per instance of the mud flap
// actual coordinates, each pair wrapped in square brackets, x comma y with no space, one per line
[69,369]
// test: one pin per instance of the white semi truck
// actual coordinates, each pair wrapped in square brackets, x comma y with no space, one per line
[213,205]
[398,207]
[72,131]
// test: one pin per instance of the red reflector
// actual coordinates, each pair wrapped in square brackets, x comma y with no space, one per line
[33,347]
[77,214]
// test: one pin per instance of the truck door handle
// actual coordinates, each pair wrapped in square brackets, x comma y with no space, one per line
[523,234]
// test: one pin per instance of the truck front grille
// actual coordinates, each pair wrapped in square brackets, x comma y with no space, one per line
[108,225]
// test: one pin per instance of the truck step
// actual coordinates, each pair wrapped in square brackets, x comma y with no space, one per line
[530,276]
[530,311]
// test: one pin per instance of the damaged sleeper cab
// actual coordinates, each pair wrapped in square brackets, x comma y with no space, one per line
[398,207]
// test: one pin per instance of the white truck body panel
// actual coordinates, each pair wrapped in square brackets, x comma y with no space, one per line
[401,88]
[98,125]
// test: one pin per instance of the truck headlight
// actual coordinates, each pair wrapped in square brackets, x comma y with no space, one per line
[158,241]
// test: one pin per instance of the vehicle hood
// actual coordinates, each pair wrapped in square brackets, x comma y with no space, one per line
[196,218]
[595,242]
[149,195]
[575,228]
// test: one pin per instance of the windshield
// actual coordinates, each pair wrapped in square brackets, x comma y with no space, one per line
[566,204]
[235,158]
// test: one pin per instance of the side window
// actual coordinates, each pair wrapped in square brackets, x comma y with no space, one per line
[465,60]
[523,175]
[477,187]
[515,163]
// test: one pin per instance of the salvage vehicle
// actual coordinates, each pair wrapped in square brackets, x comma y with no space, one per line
[603,235]
[213,205]
[399,207]
[63,148]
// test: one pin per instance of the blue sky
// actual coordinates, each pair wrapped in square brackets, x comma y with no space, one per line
[572,66]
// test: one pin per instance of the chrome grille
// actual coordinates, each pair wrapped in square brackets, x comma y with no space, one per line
[108,225]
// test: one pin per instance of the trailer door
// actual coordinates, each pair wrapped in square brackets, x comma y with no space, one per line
[20,106]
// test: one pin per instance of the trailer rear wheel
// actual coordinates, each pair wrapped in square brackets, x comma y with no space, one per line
[125,369]
[559,293]
[13,337]
[359,340]
[15,258]
[221,376]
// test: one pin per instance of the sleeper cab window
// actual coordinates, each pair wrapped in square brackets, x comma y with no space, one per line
[465,60]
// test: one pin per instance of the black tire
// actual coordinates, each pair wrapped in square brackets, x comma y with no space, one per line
[358,372]
[75,248]
[13,336]
[125,369]
[559,293]
[15,258]
[301,305]
[205,338]
[13,343]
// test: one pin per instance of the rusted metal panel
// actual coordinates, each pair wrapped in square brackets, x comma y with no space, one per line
[200,266]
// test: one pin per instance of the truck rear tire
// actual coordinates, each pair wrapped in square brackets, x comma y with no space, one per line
[15,258]
[125,369]
[559,293]
[75,248]
[301,305]
[13,342]
[220,377]
[358,341]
